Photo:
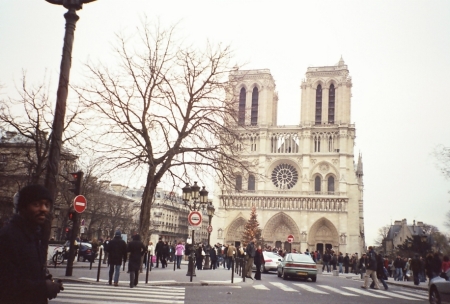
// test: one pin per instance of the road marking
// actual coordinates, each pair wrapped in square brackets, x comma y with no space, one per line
[310,289]
[260,287]
[338,291]
[78,293]
[125,282]
[394,295]
[284,287]
[413,294]
[365,293]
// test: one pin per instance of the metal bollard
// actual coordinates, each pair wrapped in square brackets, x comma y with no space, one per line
[174,261]
[149,260]
[243,271]
[232,271]
[99,264]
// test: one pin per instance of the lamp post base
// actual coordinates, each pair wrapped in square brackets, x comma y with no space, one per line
[191,268]
[207,262]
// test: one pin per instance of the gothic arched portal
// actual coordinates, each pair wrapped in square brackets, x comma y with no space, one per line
[235,231]
[323,232]
[279,227]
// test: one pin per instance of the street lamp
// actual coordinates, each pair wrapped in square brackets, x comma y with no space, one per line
[54,153]
[194,200]
[210,209]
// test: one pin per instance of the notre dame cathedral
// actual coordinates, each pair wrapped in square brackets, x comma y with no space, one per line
[308,182]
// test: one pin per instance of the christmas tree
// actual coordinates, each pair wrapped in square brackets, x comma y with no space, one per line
[251,228]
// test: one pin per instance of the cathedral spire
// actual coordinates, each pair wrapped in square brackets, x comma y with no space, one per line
[341,62]
[359,167]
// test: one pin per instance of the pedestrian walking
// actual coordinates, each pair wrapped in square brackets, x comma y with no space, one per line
[380,272]
[159,253]
[371,269]
[199,254]
[105,246]
[416,267]
[259,260]
[213,257]
[117,250]
[250,256]
[179,251]
[231,251]
[23,274]
[136,249]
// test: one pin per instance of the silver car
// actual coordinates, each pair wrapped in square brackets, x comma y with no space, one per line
[439,290]
[271,261]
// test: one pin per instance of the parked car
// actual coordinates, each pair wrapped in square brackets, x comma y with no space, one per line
[297,265]
[85,252]
[439,290]
[271,261]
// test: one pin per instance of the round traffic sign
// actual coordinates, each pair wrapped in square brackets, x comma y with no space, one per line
[290,238]
[195,218]
[79,203]
[209,229]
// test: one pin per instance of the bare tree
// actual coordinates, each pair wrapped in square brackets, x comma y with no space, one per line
[164,111]
[382,234]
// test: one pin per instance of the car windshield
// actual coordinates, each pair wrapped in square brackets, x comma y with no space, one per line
[297,257]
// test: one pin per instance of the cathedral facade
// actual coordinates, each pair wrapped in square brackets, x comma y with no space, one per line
[306,181]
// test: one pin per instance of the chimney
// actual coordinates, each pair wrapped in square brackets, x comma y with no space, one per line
[420,224]
[397,223]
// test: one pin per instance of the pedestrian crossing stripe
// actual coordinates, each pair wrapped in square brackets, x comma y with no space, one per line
[125,281]
[283,287]
[414,294]
[73,293]
[365,293]
[310,289]
[260,287]
[395,295]
[338,291]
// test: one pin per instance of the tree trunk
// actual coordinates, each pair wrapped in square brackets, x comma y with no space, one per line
[146,205]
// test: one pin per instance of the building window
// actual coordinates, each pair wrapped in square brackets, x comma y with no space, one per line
[319,105]
[316,143]
[284,176]
[331,185]
[331,100]
[241,116]
[317,184]
[254,114]
[251,182]
[238,182]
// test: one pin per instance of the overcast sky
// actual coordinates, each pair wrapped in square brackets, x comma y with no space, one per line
[397,52]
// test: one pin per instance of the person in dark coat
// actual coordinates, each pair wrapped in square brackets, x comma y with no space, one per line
[117,251]
[416,266]
[23,272]
[199,257]
[213,257]
[346,263]
[258,261]
[380,272]
[159,253]
[136,249]
[165,254]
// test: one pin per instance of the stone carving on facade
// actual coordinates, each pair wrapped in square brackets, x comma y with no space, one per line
[324,167]
[313,161]
[304,235]
[343,238]
[220,233]
[335,161]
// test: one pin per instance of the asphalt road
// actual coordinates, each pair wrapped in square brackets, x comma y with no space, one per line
[327,289]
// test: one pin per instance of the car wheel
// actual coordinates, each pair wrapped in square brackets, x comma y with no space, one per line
[284,275]
[434,297]
[313,279]
[278,274]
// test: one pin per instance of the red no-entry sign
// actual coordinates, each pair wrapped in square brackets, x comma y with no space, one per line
[290,238]
[79,203]
[195,218]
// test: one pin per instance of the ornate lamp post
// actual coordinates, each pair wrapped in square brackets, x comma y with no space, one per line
[210,209]
[194,200]
[60,108]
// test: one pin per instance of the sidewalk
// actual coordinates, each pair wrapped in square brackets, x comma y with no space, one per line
[156,277]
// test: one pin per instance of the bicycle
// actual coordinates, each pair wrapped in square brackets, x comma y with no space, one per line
[59,257]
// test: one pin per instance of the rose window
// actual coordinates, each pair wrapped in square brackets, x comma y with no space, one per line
[284,176]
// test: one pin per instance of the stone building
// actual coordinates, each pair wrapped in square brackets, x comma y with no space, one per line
[399,232]
[306,182]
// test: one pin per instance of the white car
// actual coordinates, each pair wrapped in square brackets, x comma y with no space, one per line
[271,261]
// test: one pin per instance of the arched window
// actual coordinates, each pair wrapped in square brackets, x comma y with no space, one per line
[251,182]
[317,184]
[331,99]
[238,182]
[331,185]
[317,143]
[254,117]
[319,105]
[241,117]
